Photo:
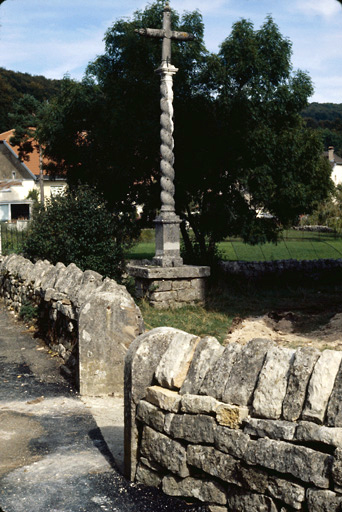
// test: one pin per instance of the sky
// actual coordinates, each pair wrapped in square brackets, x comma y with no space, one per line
[56,37]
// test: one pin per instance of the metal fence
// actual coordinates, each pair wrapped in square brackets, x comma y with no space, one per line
[12,237]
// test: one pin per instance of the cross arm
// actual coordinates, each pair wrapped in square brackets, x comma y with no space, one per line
[150,32]
[182,36]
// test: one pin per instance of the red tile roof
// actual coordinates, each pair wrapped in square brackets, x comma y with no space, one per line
[33,158]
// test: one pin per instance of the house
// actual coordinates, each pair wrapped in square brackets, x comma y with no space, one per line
[336,165]
[18,178]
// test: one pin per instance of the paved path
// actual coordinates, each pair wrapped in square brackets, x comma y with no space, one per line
[53,455]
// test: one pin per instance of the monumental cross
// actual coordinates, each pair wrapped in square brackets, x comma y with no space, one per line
[167,223]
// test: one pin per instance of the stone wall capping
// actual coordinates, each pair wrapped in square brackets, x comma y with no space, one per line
[155,272]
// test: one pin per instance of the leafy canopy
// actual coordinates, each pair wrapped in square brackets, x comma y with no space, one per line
[241,147]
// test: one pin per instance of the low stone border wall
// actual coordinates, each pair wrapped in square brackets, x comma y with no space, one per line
[248,428]
[307,270]
[88,320]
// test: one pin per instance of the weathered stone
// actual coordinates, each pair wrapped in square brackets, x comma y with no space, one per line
[69,280]
[150,415]
[166,399]
[311,432]
[215,380]
[216,508]
[299,375]
[231,415]
[90,282]
[206,354]
[142,358]
[199,404]
[274,429]
[162,296]
[271,387]
[203,490]
[288,492]
[165,451]
[242,379]
[213,462]
[337,470]
[246,501]
[323,501]
[304,463]
[190,294]
[195,429]
[175,362]
[231,441]
[147,476]
[321,385]
[108,323]
[334,411]
[154,272]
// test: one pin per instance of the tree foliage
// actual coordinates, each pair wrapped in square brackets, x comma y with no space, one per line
[241,146]
[77,227]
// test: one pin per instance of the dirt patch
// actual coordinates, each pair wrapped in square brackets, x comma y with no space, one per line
[290,329]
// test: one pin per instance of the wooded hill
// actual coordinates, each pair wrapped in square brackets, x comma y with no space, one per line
[14,84]
[326,117]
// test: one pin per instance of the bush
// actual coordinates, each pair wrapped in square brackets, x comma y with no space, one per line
[77,227]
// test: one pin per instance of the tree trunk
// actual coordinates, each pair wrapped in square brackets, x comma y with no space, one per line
[41,176]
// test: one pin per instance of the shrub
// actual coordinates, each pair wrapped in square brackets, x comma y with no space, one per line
[77,227]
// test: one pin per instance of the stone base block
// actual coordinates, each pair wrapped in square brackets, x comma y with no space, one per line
[170,287]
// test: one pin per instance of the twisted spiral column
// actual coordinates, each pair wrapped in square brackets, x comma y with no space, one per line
[167,143]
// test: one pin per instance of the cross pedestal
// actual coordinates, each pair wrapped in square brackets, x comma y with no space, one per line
[167,241]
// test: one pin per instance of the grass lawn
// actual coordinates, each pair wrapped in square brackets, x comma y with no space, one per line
[293,245]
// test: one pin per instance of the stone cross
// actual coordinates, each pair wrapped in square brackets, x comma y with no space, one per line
[167,223]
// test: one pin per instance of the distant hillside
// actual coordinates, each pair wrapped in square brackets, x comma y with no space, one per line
[14,84]
[327,119]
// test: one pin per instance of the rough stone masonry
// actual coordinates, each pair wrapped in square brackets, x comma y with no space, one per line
[88,320]
[248,428]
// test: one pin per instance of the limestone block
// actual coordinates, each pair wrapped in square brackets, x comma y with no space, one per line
[337,470]
[190,294]
[216,508]
[321,385]
[108,323]
[299,375]
[231,415]
[303,463]
[271,388]
[52,294]
[147,476]
[163,296]
[213,462]
[203,490]
[244,375]
[245,501]
[274,429]
[193,428]
[215,380]
[323,501]
[90,282]
[49,278]
[334,411]
[168,453]
[233,442]
[142,358]
[69,280]
[180,284]
[166,399]
[206,354]
[311,432]
[199,404]
[286,491]
[175,362]
[160,286]
[150,415]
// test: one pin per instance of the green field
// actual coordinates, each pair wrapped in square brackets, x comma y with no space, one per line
[293,245]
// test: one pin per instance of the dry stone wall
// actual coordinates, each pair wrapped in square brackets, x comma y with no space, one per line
[248,428]
[88,320]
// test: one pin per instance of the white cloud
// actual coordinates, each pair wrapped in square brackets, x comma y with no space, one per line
[325,8]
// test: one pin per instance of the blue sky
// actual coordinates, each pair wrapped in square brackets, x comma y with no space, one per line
[55,37]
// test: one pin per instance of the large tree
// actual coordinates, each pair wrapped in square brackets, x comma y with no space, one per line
[240,144]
